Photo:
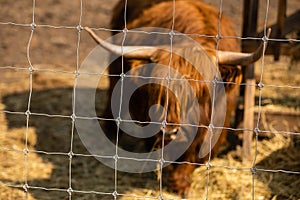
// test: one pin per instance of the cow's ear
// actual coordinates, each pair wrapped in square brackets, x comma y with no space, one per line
[136,63]
[231,76]
[161,56]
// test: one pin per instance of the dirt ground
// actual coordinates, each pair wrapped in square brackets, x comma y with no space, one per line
[53,52]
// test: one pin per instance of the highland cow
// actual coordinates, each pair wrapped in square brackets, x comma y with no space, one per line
[201,21]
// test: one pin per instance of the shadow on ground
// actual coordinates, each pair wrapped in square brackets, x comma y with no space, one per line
[283,184]
[53,135]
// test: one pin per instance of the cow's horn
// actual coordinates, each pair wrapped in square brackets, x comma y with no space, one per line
[235,58]
[145,52]
[134,52]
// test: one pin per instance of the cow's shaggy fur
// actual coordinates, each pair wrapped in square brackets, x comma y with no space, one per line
[191,17]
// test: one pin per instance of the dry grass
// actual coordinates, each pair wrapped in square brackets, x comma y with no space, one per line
[236,182]
[275,76]
[230,178]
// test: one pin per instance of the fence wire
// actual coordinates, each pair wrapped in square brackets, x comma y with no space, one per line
[76,73]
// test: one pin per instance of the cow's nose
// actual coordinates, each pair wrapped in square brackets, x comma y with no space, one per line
[170,132]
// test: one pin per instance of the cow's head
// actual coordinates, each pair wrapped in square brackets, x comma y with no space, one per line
[228,63]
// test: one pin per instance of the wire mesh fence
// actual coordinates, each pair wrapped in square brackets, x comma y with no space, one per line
[42,155]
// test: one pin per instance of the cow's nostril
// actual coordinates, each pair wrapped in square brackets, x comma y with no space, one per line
[170,132]
[173,131]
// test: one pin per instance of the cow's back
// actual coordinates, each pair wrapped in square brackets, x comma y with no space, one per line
[191,17]
[134,9]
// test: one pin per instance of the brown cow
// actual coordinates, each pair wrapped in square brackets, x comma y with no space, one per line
[191,17]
